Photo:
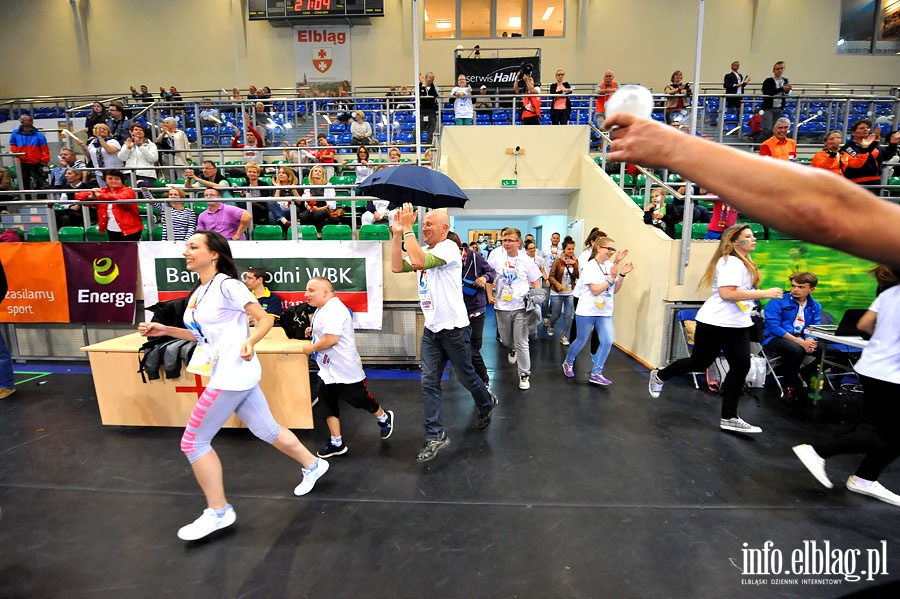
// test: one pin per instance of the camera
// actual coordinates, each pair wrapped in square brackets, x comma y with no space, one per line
[527,69]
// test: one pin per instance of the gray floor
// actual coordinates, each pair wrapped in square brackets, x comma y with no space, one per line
[574,491]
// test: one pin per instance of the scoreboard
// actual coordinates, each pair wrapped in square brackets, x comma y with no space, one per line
[264,10]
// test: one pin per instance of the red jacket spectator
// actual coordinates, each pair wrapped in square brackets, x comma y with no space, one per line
[127,215]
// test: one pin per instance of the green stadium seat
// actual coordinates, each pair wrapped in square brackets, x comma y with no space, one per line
[199,207]
[698,231]
[337,232]
[69,234]
[160,183]
[268,232]
[374,233]
[629,180]
[38,234]
[758,230]
[158,233]
[93,233]
[308,233]
[679,229]
[145,234]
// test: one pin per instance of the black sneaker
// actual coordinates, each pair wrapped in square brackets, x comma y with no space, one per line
[387,427]
[432,447]
[482,421]
[331,449]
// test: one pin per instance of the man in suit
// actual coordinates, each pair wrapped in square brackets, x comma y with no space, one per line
[734,84]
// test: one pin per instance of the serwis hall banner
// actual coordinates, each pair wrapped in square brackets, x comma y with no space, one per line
[354,268]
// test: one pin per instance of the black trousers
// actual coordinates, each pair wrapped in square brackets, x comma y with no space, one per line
[356,394]
[792,355]
[477,325]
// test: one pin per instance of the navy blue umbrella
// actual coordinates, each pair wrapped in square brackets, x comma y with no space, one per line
[414,184]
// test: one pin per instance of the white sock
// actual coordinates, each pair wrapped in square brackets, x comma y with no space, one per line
[337,441]
[382,418]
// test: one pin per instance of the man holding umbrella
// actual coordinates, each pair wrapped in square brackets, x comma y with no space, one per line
[447,332]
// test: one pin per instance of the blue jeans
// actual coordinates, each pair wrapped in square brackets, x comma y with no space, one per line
[437,348]
[604,326]
[7,380]
[562,305]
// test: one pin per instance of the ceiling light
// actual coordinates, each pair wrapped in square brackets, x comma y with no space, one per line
[547,13]
[515,22]
[443,24]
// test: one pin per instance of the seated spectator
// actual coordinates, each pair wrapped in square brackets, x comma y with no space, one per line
[67,160]
[378,212]
[756,126]
[209,177]
[252,93]
[254,140]
[393,159]
[120,219]
[67,212]
[483,100]
[264,122]
[723,216]
[229,221]
[103,150]
[655,213]
[830,157]
[280,209]
[140,154]
[258,189]
[144,96]
[787,321]
[184,219]
[235,94]
[325,189]
[315,212]
[363,169]
[255,280]
[676,209]
[780,146]
[325,154]
[361,131]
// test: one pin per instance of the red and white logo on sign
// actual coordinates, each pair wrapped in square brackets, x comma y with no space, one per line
[322,59]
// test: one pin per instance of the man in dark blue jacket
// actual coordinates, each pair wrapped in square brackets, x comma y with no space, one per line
[787,320]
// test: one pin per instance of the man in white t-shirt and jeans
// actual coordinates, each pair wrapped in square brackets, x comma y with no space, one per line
[516,274]
[447,332]
[340,367]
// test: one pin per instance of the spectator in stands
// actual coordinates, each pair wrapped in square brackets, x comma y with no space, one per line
[787,321]
[447,334]
[255,279]
[476,274]
[378,212]
[428,105]
[516,274]
[254,140]
[362,167]
[361,130]
[28,140]
[67,160]
[235,94]
[677,92]
[323,189]
[102,150]
[209,113]
[209,177]
[333,345]
[120,219]
[734,86]
[177,146]
[67,212]
[140,154]
[252,93]
[562,105]
[780,146]
[676,209]
[724,215]
[98,115]
[655,213]
[767,191]
[774,88]
[830,158]
[531,102]
[463,110]
[603,91]
[144,96]
[600,280]
[393,158]
[264,122]
[483,100]
[280,209]
[864,156]
[563,277]
[325,154]
[300,155]
[756,126]
[258,189]
[229,221]
[184,219]
[119,125]
[169,96]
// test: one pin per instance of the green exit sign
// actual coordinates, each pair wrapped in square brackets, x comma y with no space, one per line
[509,182]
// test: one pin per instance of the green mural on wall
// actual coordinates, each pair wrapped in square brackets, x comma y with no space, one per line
[844,280]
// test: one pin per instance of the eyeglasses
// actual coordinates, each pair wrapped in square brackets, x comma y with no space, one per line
[606,247]
[509,241]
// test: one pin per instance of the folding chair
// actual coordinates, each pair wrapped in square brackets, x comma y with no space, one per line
[838,359]
[687,336]
[772,360]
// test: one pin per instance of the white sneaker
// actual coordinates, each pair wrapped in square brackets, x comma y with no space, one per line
[872,489]
[511,357]
[564,340]
[551,331]
[656,384]
[813,463]
[310,476]
[524,382]
[207,523]
[738,425]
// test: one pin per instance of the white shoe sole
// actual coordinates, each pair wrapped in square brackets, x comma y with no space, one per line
[805,454]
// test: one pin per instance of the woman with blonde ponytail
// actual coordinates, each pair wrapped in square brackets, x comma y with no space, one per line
[724,323]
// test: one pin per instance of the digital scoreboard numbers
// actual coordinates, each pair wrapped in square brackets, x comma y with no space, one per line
[261,10]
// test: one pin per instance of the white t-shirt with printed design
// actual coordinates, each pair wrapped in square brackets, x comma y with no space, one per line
[588,303]
[514,278]
[218,309]
[730,272]
[440,290]
[341,363]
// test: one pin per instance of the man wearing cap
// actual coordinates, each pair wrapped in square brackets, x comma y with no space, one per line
[483,100]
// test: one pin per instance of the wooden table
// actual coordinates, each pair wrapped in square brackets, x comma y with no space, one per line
[124,399]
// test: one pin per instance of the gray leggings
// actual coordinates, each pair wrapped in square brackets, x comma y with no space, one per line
[214,407]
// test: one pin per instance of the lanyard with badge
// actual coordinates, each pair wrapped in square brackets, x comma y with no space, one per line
[601,300]
[425,299]
[205,354]
[325,359]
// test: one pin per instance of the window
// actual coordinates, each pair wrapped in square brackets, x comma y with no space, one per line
[869,27]
[485,19]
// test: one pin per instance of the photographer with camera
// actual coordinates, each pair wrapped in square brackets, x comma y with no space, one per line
[531,103]
[677,92]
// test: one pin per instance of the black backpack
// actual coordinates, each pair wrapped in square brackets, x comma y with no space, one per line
[169,313]
[296,319]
